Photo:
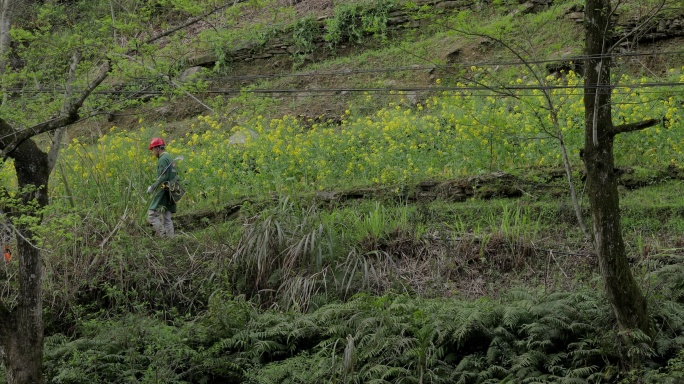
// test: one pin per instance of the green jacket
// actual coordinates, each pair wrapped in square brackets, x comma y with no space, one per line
[165,173]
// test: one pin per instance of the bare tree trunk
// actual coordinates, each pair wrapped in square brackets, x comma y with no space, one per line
[6,12]
[623,291]
[22,333]
[23,344]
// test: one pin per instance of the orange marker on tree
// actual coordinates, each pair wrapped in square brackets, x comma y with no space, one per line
[7,252]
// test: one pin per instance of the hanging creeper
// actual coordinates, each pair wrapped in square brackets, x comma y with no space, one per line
[7,252]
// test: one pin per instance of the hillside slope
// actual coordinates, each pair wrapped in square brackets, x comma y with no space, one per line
[364,205]
[302,72]
[308,75]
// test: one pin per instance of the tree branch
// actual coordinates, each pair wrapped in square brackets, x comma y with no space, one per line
[173,83]
[652,13]
[59,133]
[67,116]
[631,127]
[11,138]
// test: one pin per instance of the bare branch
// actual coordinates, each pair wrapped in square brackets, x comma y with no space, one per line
[59,133]
[190,22]
[11,138]
[173,83]
[68,116]
[631,127]
[538,78]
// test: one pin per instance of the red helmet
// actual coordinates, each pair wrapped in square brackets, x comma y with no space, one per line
[156,142]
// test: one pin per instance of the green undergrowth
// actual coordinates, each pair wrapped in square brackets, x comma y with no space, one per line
[524,336]
[364,291]
[297,252]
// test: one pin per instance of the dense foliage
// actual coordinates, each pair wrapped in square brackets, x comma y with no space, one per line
[526,337]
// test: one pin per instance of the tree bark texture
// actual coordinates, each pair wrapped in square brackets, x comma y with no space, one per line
[21,334]
[7,10]
[623,291]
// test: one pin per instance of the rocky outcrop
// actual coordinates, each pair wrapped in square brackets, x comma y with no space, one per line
[654,30]
[640,30]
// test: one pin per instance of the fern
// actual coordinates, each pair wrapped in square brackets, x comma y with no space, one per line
[393,338]
[581,372]
[471,322]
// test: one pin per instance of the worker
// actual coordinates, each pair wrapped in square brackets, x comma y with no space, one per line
[162,206]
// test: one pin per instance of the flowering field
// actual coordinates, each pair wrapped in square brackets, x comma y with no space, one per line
[448,134]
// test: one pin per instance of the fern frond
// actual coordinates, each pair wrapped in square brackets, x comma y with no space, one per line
[470,321]
[385,373]
[582,372]
[267,347]
[513,316]
[572,380]
[493,354]
[528,359]
[465,364]
[497,371]
[581,327]
[521,297]
[557,322]
[640,351]
[554,359]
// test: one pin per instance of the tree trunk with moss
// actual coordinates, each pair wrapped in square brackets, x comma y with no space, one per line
[623,290]
[7,10]
[21,329]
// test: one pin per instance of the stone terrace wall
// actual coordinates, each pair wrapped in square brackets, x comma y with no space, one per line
[284,46]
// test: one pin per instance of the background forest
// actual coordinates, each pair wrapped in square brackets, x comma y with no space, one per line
[379,191]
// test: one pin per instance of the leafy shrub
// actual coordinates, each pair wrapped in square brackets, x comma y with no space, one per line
[352,21]
[304,33]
